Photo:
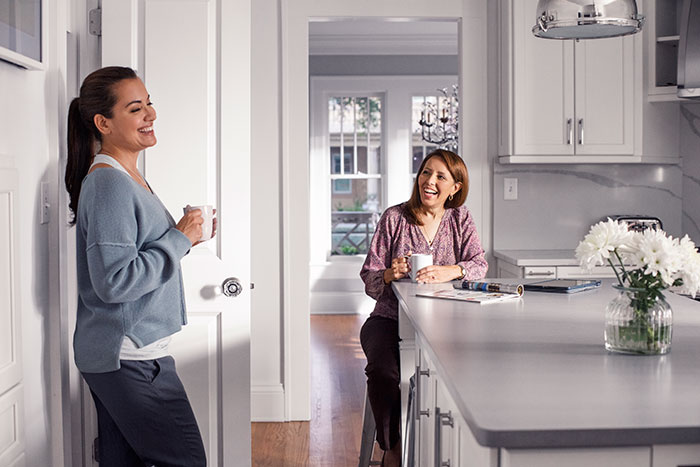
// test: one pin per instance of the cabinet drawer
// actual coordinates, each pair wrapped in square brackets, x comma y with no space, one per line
[575,272]
[586,457]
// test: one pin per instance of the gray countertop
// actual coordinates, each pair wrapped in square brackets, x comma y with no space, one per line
[534,372]
[538,257]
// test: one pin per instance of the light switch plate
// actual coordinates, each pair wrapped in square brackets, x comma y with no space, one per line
[45,205]
[510,189]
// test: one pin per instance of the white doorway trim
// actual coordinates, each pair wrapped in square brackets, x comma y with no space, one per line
[473,57]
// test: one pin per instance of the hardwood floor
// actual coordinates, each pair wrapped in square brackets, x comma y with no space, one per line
[332,437]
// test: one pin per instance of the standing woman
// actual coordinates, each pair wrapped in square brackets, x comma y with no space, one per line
[434,221]
[129,281]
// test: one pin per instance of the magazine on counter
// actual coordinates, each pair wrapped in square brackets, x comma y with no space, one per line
[473,296]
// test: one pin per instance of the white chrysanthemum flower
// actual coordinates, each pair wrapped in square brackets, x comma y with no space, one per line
[601,241]
[690,269]
[658,254]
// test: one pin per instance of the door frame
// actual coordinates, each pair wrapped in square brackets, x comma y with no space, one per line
[472,16]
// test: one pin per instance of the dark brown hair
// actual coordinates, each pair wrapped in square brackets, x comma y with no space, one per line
[458,170]
[96,97]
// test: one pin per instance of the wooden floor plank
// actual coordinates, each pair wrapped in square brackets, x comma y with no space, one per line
[332,437]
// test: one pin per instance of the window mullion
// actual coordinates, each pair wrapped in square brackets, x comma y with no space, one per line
[354,135]
[342,142]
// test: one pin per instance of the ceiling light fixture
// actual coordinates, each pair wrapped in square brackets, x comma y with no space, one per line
[586,19]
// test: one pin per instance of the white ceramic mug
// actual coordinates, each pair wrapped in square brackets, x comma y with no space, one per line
[208,216]
[418,262]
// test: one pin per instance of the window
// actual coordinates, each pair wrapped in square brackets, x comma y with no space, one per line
[354,128]
[362,139]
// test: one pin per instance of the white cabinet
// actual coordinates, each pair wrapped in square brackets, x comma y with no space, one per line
[568,97]
[443,437]
[506,269]
[584,457]
[426,380]
[580,101]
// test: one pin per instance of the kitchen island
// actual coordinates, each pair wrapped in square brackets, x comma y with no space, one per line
[529,382]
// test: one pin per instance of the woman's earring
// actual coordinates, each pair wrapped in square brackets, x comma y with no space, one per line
[451,196]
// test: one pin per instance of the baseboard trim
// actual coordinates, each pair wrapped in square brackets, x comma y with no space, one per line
[267,403]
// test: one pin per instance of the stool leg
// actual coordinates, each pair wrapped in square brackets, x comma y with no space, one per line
[369,432]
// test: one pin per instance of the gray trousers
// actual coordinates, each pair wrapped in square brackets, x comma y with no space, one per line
[144,416]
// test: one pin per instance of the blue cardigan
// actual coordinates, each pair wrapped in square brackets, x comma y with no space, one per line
[128,263]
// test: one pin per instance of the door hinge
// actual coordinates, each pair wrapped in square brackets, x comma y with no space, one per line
[95,22]
[95,450]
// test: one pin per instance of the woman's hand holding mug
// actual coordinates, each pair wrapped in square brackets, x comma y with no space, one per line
[191,225]
[207,225]
[398,270]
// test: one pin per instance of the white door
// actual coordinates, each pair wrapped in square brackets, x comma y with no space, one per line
[11,387]
[194,57]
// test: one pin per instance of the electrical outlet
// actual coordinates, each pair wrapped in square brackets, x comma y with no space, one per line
[510,188]
[45,205]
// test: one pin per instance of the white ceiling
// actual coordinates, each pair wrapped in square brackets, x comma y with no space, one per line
[377,37]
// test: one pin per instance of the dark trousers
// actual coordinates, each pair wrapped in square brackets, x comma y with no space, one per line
[144,417]
[380,341]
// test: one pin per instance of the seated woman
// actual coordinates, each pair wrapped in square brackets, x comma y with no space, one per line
[434,221]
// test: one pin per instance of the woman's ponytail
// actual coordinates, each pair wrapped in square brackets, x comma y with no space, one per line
[80,148]
[96,97]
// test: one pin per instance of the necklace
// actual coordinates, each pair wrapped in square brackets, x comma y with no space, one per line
[427,236]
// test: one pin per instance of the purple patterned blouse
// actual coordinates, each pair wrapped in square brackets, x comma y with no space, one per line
[456,242]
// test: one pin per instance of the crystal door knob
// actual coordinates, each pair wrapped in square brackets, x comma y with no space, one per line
[232,287]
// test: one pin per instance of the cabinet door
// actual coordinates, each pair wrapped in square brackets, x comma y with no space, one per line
[426,407]
[447,425]
[604,92]
[543,88]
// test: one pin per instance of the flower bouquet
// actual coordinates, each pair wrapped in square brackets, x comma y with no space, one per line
[639,320]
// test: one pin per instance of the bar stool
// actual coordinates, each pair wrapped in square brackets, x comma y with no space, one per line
[369,433]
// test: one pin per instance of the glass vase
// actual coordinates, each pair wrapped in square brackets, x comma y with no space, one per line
[638,321]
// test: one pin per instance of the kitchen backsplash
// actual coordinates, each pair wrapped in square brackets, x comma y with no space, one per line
[690,151]
[557,203]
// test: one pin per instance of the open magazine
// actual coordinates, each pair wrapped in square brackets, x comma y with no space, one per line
[474,296]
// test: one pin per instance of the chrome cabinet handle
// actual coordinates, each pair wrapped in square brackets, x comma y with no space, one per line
[545,273]
[420,373]
[568,131]
[232,287]
[580,131]
[441,419]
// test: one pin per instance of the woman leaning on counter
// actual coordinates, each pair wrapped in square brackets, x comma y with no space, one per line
[433,221]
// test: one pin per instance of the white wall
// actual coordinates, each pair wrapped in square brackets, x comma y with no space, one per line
[690,153]
[29,141]
[557,203]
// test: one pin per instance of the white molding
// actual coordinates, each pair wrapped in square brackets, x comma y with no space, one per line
[382,44]
[267,403]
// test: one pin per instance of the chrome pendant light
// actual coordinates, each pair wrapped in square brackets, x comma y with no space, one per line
[586,19]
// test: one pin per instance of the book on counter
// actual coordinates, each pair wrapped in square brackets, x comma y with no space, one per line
[477,292]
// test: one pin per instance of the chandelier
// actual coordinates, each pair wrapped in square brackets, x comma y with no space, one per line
[439,120]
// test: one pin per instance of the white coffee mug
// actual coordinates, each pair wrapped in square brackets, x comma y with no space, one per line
[208,216]
[418,262]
